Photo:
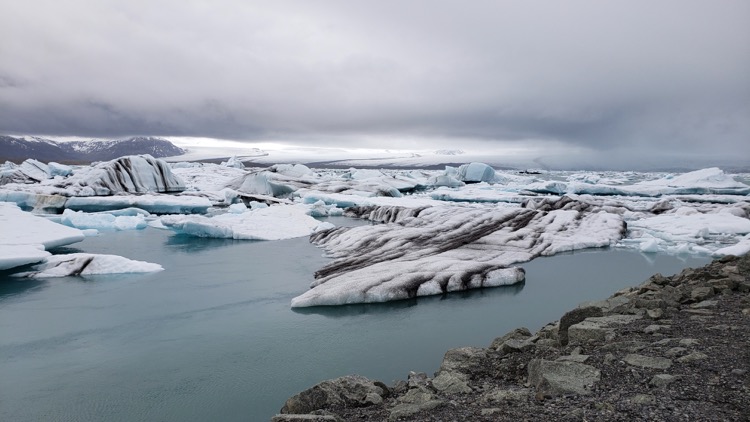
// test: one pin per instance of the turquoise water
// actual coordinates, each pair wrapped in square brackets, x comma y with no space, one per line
[213,338]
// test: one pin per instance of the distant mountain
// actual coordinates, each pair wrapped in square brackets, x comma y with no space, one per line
[19,148]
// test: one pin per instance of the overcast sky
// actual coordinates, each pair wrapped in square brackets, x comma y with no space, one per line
[609,78]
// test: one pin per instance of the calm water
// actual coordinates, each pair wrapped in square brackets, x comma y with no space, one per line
[213,338]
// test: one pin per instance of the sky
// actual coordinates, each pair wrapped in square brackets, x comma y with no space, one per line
[620,82]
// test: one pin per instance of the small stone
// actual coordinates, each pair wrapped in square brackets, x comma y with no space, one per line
[575,416]
[688,342]
[655,313]
[675,351]
[724,327]
[303,418]
[692,357]
[662,380]
[705,304]
[573,358]
[699,294]
[656,328]
[609,358]
[489,411]
[663,342]
[739,371]
[746,311]
[643,399]
[647,361]
[508,395]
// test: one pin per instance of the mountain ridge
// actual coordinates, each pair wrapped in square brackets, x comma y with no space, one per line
[19,148]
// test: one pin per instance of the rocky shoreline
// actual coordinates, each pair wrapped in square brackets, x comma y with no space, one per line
[673,348]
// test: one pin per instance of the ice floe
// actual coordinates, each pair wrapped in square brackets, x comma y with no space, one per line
[270,223]
[25,237]
[82,264]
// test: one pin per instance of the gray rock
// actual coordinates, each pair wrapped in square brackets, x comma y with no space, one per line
[675,351]
[688,342]
[655,313]
[573,358]
[517,334]
[414,401]
[643,399]
[705,304]
[597,329]
[350,390]
[692,357]
[417,379]
[500,395]
[647,361]
[451,383]
[463,360]
[574,317]
[654,328]
[702,293]
[552,378]
[628,345]
[662,380]
[489,411]
[516,345]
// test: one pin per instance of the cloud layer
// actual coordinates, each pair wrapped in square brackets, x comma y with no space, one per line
[660,78]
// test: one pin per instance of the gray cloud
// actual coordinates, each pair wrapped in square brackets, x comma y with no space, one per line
[653,78]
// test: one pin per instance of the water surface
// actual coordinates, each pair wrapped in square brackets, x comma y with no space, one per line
[213,338]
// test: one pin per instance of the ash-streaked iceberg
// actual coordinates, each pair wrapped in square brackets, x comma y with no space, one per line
[270,223]
[26,237]
[131,174]
[433,250]
[82,264]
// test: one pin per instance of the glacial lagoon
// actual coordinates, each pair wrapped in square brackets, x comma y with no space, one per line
[212,337]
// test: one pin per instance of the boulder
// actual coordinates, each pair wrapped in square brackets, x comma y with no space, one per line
[463,360]
[642,361]
[574,317]
[551,378]
[350,390]
[597,329]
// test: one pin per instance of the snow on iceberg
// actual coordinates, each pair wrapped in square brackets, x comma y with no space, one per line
[705,181]
[271,223]
[76,264]
[26,236]
[434,250]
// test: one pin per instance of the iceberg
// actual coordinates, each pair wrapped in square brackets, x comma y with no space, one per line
[26,237]
[157,204]
[103,221]
[435,250]
[475,173]
[130,174]
[81,264]
[271,223]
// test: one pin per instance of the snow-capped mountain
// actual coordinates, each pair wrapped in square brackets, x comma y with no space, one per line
[19,148]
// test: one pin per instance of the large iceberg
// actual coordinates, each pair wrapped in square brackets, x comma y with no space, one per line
[131,174]
[433,250]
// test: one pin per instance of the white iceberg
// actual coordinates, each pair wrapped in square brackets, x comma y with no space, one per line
[271,223]
[25,236]
[103,221]
[81,264]
[131,174]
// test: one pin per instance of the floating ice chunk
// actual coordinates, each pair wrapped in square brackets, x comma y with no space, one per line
[650,245]
[103,221]
[738,249]
[35,170]
[445,180]
[673,227]
[25,236]
[476,172]
[157,204]
[237,208]
[262,183]
[705,181]
[293,170]
[88,264]
[272,223]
